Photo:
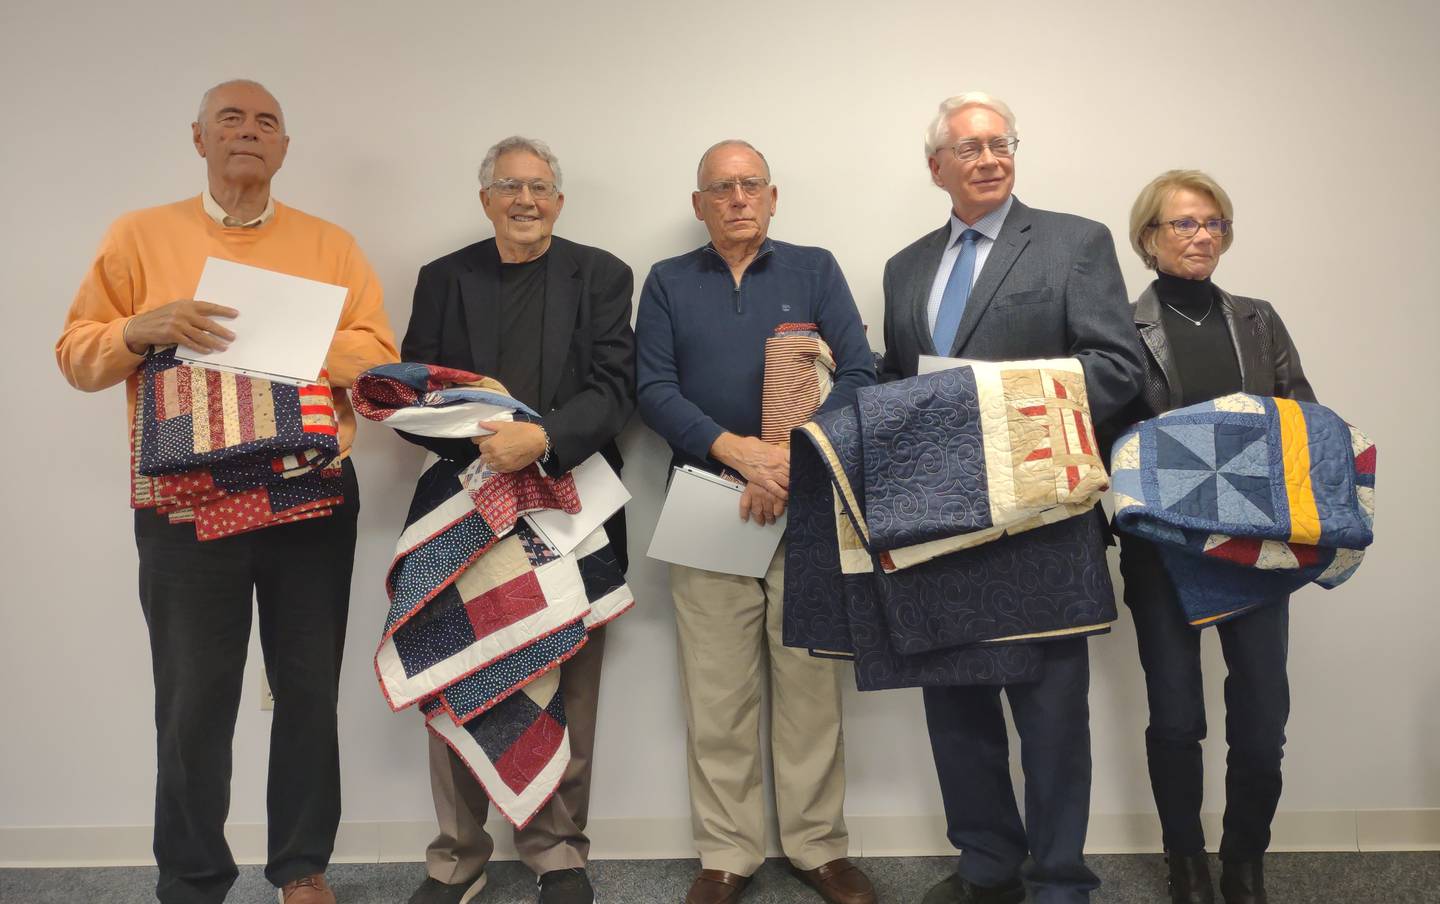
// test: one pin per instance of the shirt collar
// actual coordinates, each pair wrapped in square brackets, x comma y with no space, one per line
[988,225]
[218,214]
[766,246]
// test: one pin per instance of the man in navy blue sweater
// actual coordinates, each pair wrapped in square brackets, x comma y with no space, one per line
[700,334]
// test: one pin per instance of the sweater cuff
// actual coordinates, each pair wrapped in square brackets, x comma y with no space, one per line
[703,437]
[113,346]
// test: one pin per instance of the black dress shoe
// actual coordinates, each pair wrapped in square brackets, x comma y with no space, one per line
[1243,882]
[955,890]
[1190,879]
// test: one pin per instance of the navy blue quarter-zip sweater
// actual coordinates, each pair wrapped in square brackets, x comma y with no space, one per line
[700,340]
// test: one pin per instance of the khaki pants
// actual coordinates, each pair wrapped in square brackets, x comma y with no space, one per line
[555,838]
[730,630]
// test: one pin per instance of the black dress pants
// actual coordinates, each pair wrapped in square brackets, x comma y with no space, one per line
[1257,704]
[197,599]
[972,760]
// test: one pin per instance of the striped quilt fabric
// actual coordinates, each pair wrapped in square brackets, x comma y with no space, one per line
[230,453]
[1248,498]
[482,611]
[195,417]
[799,371]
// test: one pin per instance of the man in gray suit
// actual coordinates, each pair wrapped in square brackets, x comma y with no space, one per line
[1003,282]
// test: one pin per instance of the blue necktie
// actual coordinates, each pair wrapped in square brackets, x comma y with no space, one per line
[957,291]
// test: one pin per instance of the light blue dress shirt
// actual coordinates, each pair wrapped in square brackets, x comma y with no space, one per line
[989,228]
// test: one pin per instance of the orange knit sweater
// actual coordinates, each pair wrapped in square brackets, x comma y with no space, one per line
[152,257]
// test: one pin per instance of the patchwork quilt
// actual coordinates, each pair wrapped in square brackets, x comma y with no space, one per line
[944,522]
[1248,499]
[231,453]
[482,610]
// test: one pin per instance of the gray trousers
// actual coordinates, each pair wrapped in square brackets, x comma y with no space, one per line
[555,838]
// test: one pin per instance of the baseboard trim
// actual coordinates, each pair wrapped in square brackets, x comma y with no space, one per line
[666,838]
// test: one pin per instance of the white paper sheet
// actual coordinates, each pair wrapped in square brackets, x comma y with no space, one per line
[700,527]
[285,324]
[601,495]
[930,364]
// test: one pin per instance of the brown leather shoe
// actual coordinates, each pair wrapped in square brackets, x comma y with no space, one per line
[715,886]
[839,882]
[307,890]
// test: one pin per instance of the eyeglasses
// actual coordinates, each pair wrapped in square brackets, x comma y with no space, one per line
[1188,226]
[971,150]
[751,187]
[540,190]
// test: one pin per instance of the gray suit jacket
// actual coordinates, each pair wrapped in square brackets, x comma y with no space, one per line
[1050,288]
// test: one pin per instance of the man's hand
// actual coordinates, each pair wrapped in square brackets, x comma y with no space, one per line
[763,507]
[757,461]
[186,321]
[512,446]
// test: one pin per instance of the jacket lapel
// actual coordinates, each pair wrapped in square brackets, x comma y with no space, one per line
[922,279]
[1147,323]
[1237,314]
[1014,236]
[480,298]
[562,302]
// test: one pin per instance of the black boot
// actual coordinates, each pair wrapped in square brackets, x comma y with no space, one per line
[1243,882]
[1190,879]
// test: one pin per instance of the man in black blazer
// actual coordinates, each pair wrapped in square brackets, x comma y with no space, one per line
[1003,282]
[549,319]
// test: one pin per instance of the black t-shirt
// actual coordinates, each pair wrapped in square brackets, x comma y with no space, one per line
[522,318]
[1204,355]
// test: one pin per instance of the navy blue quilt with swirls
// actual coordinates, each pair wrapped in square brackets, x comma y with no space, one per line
[913,462]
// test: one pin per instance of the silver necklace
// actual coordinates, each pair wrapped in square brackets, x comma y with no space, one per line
[1187,316]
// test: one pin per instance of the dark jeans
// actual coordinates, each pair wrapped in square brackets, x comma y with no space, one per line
[197,602]
[972,759]
[1257,703]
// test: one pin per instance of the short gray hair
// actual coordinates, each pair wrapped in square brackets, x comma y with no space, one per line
[728,142]
[939,131]
[205,98]
[517,143]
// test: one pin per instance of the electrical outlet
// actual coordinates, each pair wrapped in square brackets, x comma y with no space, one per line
[267,699]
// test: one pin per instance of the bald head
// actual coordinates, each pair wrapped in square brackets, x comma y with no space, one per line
[207,100]
[700,178]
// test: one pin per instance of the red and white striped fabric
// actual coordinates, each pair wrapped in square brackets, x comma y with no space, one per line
[799,372]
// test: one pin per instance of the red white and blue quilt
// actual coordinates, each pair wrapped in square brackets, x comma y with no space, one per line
[482,611]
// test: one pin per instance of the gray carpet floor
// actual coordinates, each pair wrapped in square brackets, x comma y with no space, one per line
[1408,878]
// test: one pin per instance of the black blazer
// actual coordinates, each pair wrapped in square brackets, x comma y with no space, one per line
[587,384]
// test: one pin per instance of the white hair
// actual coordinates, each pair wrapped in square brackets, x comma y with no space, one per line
[728,142]
[205,98]
[517,143]
[939,132]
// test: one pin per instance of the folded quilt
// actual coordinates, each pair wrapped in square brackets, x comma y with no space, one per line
[196,417]
[482,611]
[231,453]
[934,522]
[1248,499]
[799,372]
[433,401]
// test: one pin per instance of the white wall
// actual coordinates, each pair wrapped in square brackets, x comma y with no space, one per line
[1319,118]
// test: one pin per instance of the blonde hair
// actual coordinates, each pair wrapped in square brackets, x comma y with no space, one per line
[1146,210]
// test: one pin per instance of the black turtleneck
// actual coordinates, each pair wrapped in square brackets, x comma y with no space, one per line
[1204,355]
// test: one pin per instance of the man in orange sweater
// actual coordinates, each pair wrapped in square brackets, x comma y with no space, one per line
[196,596]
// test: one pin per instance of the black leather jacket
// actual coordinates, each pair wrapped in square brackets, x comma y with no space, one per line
[1269,364]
